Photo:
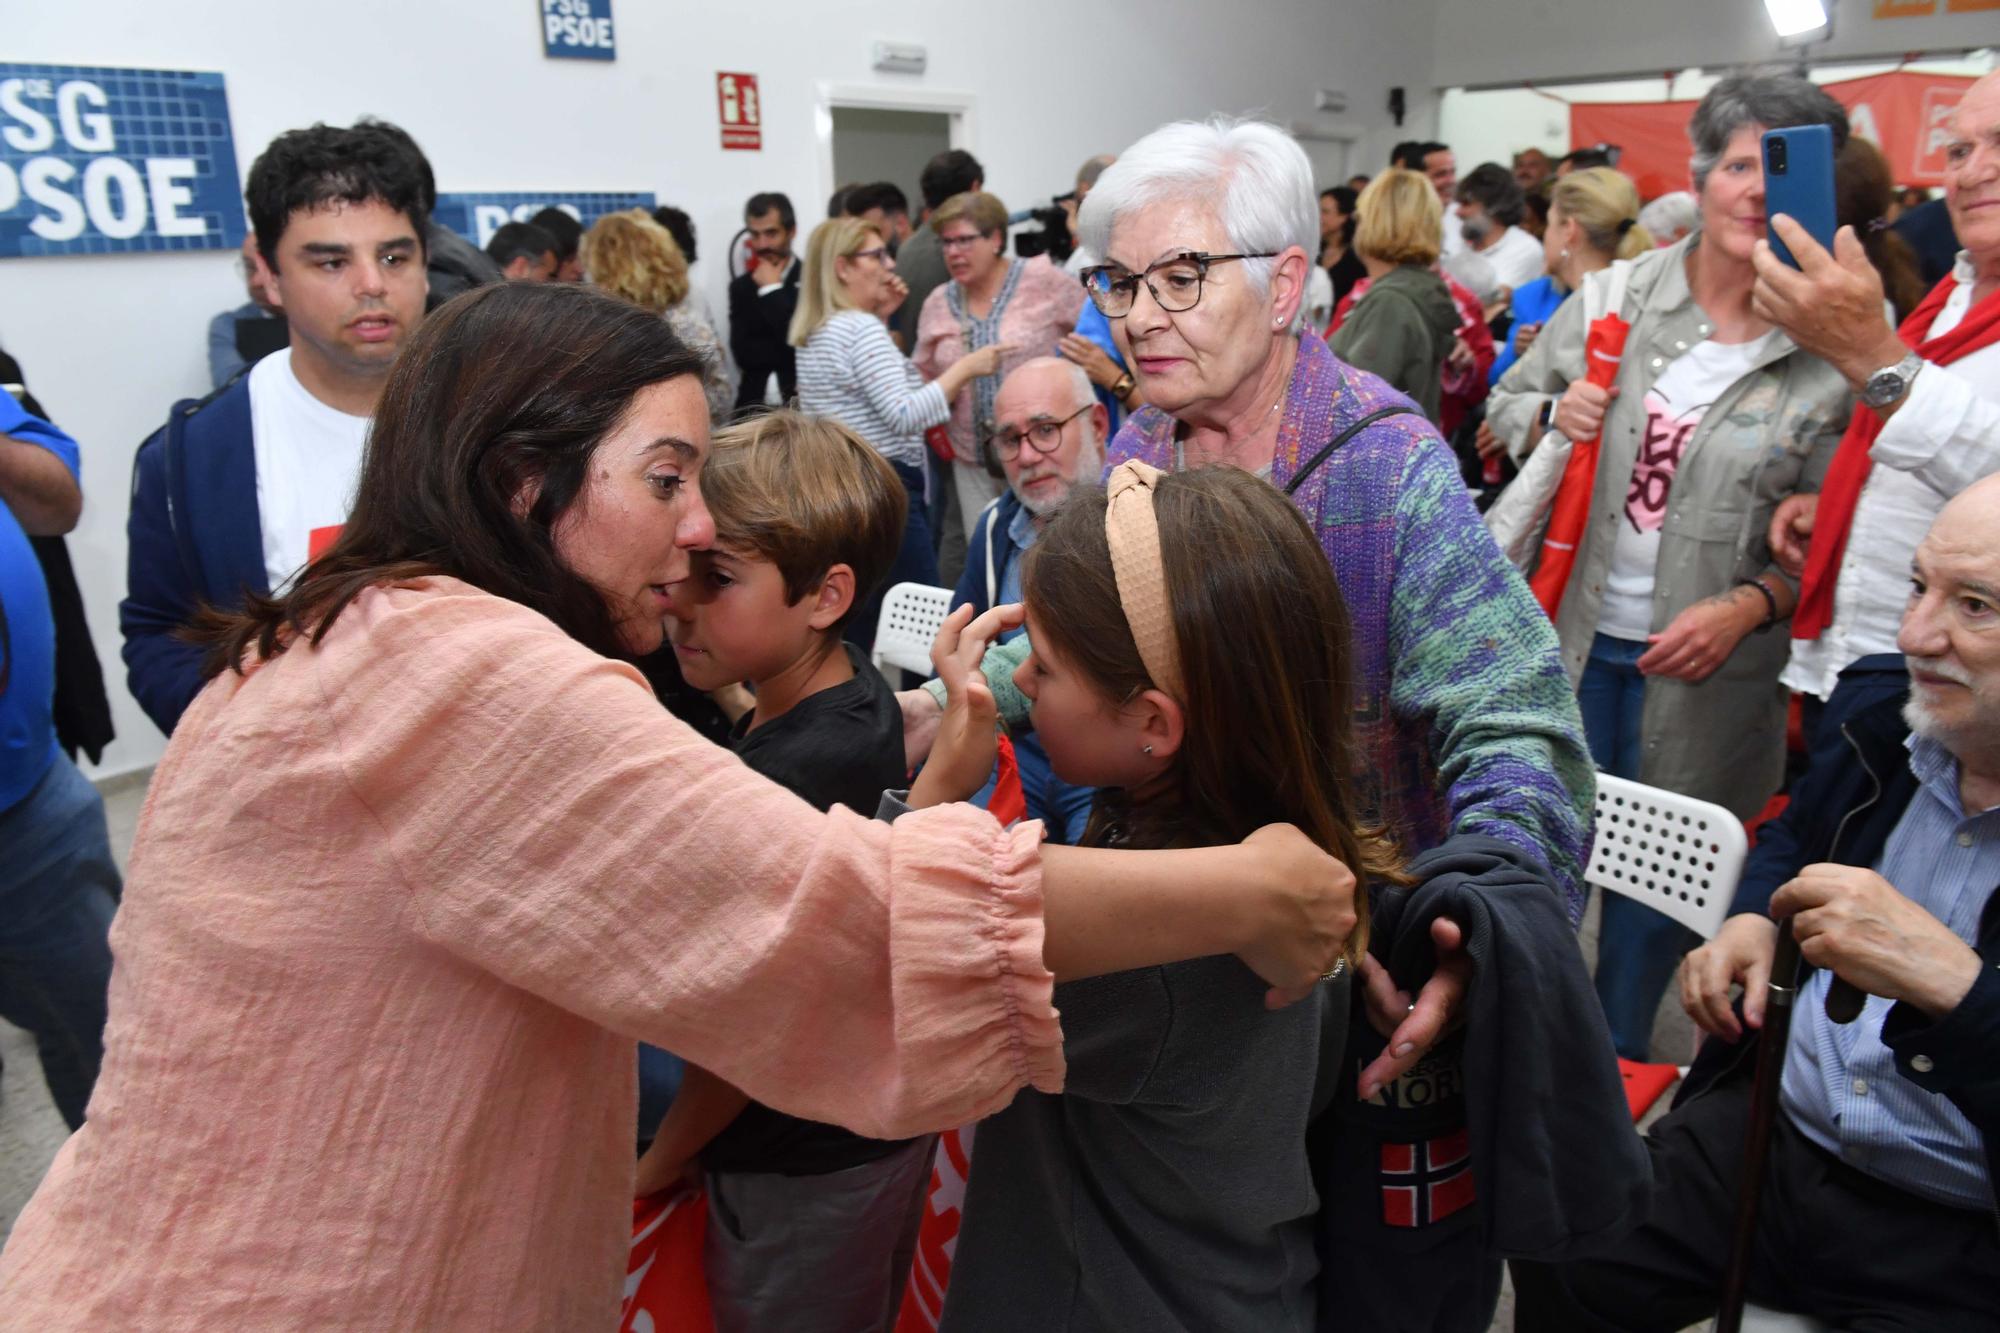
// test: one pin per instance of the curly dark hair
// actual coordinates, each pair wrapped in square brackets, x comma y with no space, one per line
[305,170]
[1493,188]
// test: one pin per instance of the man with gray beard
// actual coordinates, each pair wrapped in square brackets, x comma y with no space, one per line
[1879,1188]
[1048,433]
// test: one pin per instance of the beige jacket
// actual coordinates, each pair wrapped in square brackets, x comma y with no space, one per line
[1771,434]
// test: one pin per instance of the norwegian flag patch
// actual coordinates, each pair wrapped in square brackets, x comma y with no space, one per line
[1426,1182]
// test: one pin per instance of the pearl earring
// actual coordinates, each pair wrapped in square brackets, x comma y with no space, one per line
[1147,748]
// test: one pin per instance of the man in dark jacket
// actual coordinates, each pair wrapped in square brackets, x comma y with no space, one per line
[762,302]
[1877,1198]
[239,491]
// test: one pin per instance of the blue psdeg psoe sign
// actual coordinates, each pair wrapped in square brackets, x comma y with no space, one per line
[108,161]
[578,30]
[476,216]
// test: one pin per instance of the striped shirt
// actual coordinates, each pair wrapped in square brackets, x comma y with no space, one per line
[849,370]
[1841,1086]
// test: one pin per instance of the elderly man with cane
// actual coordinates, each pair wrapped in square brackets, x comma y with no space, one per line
[1876,1190]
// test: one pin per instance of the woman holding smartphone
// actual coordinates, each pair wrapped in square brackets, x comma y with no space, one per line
[1714,418]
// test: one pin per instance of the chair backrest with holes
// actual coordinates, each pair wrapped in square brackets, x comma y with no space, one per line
[1677,855]
[911,614]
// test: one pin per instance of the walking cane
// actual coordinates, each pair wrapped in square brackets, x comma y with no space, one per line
[1784,989]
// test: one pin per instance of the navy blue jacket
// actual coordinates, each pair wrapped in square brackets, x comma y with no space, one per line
[1853,794]
[989,544]
[194,536]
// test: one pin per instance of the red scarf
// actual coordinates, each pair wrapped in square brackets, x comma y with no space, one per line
[1841,491]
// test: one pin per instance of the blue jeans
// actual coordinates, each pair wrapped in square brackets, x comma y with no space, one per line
[1064,808]
[1637,948]
[58,890]
[916,562]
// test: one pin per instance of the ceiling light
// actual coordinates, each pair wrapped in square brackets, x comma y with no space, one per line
[1795,18]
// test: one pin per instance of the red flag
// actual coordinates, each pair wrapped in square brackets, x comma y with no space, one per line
[1569,514]
[665,1289]
[937,1237]
[1841,491]
[1008,803]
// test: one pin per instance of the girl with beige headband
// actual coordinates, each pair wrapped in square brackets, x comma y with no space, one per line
[1191,660]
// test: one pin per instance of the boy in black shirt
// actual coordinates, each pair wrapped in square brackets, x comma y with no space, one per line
[810,1227]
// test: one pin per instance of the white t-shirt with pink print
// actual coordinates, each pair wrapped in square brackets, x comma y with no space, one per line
[1675,405]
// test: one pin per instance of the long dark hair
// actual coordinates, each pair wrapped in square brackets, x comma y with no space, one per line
[1263,639]
[1864,190]
[503,391]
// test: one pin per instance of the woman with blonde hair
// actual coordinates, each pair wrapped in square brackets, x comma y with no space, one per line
[1401,327]
[632,256]
[850,370]
[1593,219]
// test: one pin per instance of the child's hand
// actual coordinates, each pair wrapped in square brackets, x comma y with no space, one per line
[962,757]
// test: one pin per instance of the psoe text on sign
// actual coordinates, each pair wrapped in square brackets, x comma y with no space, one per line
[578,30]
[101,161]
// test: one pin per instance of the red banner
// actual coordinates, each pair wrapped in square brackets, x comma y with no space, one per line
[1902,113]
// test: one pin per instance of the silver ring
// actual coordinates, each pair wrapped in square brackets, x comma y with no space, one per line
[1335,972]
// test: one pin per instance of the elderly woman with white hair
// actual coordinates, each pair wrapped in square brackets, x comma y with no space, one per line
[1468,727]
[1716,417]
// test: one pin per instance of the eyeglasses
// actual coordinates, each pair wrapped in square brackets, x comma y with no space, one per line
[875,253]
[1043,435]
[960,242]
[1113,289]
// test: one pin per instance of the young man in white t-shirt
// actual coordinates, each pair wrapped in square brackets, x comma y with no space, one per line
[236,494]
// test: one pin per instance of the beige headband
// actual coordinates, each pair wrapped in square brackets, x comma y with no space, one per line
[1133,532]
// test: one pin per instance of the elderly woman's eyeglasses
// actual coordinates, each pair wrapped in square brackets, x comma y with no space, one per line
[875,252]
[1044,435]
[1175,283]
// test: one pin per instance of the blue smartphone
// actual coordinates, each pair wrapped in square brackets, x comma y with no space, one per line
[1798,182]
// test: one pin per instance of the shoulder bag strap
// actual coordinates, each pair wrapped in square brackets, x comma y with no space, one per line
[1333,446]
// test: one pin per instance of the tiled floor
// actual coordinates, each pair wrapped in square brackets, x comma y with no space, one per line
[31,1132]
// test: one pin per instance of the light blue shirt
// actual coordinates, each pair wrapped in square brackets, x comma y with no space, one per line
[1841,1086]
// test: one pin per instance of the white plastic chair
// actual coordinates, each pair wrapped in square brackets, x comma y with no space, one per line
[911,614]
[1677,855]
[1681,857]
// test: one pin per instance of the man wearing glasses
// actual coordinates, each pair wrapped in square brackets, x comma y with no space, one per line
[1048,433]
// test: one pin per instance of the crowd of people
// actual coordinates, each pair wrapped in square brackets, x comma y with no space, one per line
[535,832]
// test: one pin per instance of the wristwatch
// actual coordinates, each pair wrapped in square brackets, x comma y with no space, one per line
[1124,386]
[1890,383]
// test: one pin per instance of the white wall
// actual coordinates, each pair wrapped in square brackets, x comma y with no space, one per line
[1493,42]
[871,144]
[110,342]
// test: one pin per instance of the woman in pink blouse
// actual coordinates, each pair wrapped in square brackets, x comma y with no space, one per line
[414,874]
[1024,305]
